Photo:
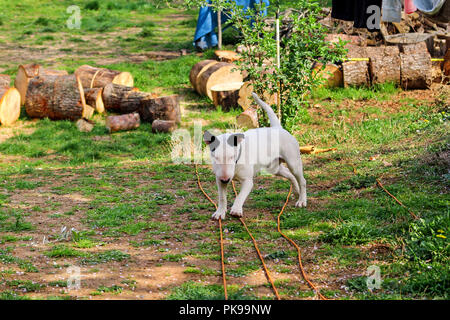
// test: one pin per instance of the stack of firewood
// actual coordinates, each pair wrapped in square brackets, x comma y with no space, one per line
[57,95]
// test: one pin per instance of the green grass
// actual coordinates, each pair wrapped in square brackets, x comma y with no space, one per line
[122,188]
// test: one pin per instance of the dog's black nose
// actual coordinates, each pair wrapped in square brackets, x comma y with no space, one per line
[225,181]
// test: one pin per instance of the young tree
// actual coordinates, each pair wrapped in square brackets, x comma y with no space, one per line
[302,52]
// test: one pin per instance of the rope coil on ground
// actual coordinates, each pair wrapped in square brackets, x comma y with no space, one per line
[269,278]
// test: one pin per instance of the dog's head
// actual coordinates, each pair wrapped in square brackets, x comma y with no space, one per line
[225,152]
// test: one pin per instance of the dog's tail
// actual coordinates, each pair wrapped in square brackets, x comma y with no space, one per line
[274,121]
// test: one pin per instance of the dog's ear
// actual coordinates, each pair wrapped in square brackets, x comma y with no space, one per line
[208,137]
[211,140]
[235,139]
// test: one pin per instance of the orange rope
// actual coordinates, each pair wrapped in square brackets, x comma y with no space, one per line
[298,249]
[396,200]
[415,217]
[269,278]
[222,258]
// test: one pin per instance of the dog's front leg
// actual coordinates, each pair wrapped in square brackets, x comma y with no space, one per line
[246,188]
[222,207]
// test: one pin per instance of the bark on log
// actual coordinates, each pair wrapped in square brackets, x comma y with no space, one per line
[123,99]
[356,73]
[245,96]
[226,95]
[446,65]
[123,122]
[5,80]
[218,73]
[384,64]
[55,97]
[164,126]
[9,105]
[162,108]
[331,74]
[416,70]
[92,77]
[248,119]
[27,72]
[197,70]
[94,98]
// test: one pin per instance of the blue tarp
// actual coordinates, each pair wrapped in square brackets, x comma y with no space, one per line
[205,37]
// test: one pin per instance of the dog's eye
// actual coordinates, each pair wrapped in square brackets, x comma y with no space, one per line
[213,149]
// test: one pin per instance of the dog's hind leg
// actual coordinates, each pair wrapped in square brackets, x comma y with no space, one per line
[296,167]
[284,172]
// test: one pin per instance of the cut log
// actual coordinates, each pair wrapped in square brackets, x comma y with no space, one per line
[164,126]
[9,105]
[356,73]
[226,95]
[123,122]
[26,72]
[353,40]
[227,56]
[413,48]
[123,99]
[94,97]
[55,97]
[248,119]
[245,96]
[5,80]
[162,108]
[331,74]
[197,70]
[92,77]
[384,64]
[416,70]
[436,72]
[446,65]
[403,39]
[218,73]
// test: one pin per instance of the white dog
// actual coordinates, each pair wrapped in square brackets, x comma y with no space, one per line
[241,156]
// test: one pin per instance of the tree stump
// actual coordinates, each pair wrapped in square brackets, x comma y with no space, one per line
[94,98]
[55,97]
[219,73]
[248,119]
[245,96]
[84,125]
[197,70]
[226,95]
[162,108]
[164,126]
[356,73]
[416,70]
[9,105]
[5,80]
[123,99]
[26,72]
[384,64]
[123,122]
[92,77]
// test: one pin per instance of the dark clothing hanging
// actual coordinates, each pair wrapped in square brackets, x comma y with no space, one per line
[354,10]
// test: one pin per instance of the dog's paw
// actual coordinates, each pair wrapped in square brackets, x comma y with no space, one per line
[300,204]
[236,212]
[219,215]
